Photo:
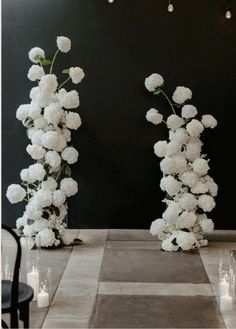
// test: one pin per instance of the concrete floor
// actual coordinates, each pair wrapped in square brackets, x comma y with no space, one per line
[121,279]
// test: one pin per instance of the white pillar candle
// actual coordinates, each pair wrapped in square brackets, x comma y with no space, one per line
[33,281]
[43,298]
[226,303]
[224,287]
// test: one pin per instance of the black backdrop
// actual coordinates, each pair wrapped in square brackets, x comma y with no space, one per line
[118,45]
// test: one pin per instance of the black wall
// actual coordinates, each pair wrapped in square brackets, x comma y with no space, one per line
[118,45]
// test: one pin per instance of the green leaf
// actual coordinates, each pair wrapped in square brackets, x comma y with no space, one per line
[66,71]
[46,62]
[57,211]
[76,242]
[30,221]
[67,170]
[38,57]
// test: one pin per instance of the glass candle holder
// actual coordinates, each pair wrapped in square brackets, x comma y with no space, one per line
[45,289]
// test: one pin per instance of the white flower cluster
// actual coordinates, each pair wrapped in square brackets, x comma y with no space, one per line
[190,190]
[47,183]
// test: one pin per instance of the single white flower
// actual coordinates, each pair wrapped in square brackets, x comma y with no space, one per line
[172,212]
[43,198]
[35,73]
[34,111]
[73,120]
[49,184]
[32,211]
[200,188]
[181,95]
[154,81]
[70,100]
[170,185]
[160,148]
[36,172]
[46,237]
[200,166]
[207,225]
[69,186]
[168,166]
[22,112]
[53,113]
[37,137]
[36,52]
[185,240]
[180,163]
[187,220]
[40,123]
[53,159]
[66,134]
[194,128]
[157,226]
[66,238]
[174,122]
[24,175]
[15,193]
[212,186]
[70,155]
[76,74]
[173,148]
[22,221]
[63,44]
[180,136]
[189,178]
[167,244]
[188,111]
[36,152]
[40,224]
[41,98]
[59,198]
[48,83]
[206,202]
[188,202]
[209,121]
[154,116]
[29,230]
[193,149]
[53,140]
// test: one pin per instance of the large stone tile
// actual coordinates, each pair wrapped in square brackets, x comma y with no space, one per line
[143,288]
[83,288]
[93,235]
[222,236]
[134,244]
[156,312]
[133,235]
[139,265]
[86,269]
[65,323]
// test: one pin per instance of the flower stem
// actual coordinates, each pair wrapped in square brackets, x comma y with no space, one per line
[60,171]
[53,60]
[63,83]
[168,100]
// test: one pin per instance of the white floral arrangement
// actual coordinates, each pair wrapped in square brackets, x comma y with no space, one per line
[49,118]
[190,191]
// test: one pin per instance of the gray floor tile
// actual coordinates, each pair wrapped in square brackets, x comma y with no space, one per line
[222,236]
[65,323]
[156,312]
[139,235]
[139,265]
[134,244]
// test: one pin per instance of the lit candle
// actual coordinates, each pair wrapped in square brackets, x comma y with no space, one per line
[43,298]
[33,281]
[226,303]
[224,287]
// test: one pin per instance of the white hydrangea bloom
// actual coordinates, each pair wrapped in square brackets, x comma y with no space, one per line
[154,116]
[73,120]
[193,149]
[206,202]
[22,112]
[37,137]
[157,226]
[15,193]
[200,166]
[194,128]
[43,198]
[160,148]
[207,225]
[47,237]
[189,178]
[40,224]
[209,121]
[35,73]
[48,83]
[174,122]
[173,148]
[32,211]
[180,163]
[168,166]
[53,140]
[49,184]
[188,111]
[167,244]
[34,111]
[70,155]
[66,238]
[36,52]
[212,186]
[59,198]
[22,221]
[69,186]
[170,185]
[172,212]
[180,136]
[36,172]
[200,188]
[29,230]
[41,98]
[66,134]
[185,240]
[154,81]
[63,44]
[40,123]
[53,113]
[181,95]
[36,152]
[24,175]
[53,159]
[76,74]
[187,220]
[70,100]
[188,202]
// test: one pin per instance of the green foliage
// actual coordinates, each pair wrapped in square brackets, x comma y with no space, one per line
[68,171]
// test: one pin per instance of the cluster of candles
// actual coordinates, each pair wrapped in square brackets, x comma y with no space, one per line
[40,293]
[226,282]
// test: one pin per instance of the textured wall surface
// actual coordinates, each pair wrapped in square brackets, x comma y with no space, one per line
[118,46]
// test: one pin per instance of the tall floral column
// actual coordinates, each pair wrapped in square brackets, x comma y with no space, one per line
[189,189]
[49,118]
